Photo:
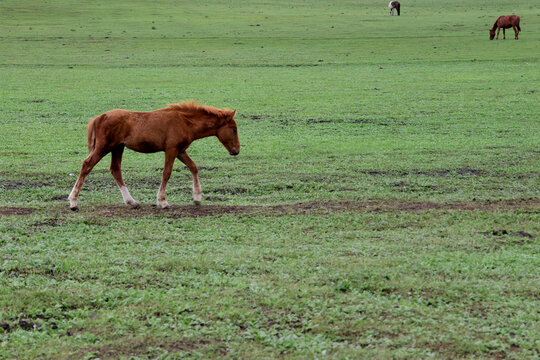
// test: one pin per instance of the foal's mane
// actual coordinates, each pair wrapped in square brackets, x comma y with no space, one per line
[192,106]
[495,24]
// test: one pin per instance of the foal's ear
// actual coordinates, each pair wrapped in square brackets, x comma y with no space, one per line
[233,113]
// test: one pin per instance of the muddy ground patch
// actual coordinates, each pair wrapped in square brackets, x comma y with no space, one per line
[315,207]
[9,211]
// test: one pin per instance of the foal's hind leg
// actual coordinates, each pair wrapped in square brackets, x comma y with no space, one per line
[515,31]
[504,34]
[197,194]
[87,166]
[116,162]
[170,156]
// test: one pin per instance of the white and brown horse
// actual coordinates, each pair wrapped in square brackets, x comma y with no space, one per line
[171,130]
[393,5]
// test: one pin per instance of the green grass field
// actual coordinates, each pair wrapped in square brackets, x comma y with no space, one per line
[385,204]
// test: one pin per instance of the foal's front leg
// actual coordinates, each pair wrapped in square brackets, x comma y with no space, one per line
[197,193]
[170,155]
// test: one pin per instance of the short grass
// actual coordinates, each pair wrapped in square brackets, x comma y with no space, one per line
[384,204]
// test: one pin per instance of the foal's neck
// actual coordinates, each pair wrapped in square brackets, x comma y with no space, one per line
[204,125]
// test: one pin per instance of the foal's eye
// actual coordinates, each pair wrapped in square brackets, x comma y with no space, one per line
[234,131]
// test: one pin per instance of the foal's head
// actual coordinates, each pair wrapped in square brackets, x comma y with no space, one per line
[491,34]
[228,134]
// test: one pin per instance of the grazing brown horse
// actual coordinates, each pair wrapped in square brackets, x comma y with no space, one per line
[171,130]
[394,5]
[505,22]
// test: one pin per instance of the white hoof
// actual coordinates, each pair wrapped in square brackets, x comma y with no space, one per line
[133,204]
[73,205]
[163,204]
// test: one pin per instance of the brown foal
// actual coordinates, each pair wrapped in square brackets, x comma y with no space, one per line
[171,130]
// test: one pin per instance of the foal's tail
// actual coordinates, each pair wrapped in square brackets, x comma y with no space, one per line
[519,29]
[92,132]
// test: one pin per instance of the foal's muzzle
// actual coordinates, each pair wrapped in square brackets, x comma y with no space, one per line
[234,152]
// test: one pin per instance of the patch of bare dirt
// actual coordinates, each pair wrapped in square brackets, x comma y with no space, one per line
[51,222]
[13,184]
[207,168]
[9,211]
[258,117]
[432,173]
[22,324]
[316,207]
[520,234]
[230,191]
[58,198]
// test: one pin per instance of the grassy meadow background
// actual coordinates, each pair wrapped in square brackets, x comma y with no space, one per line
[385,203]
